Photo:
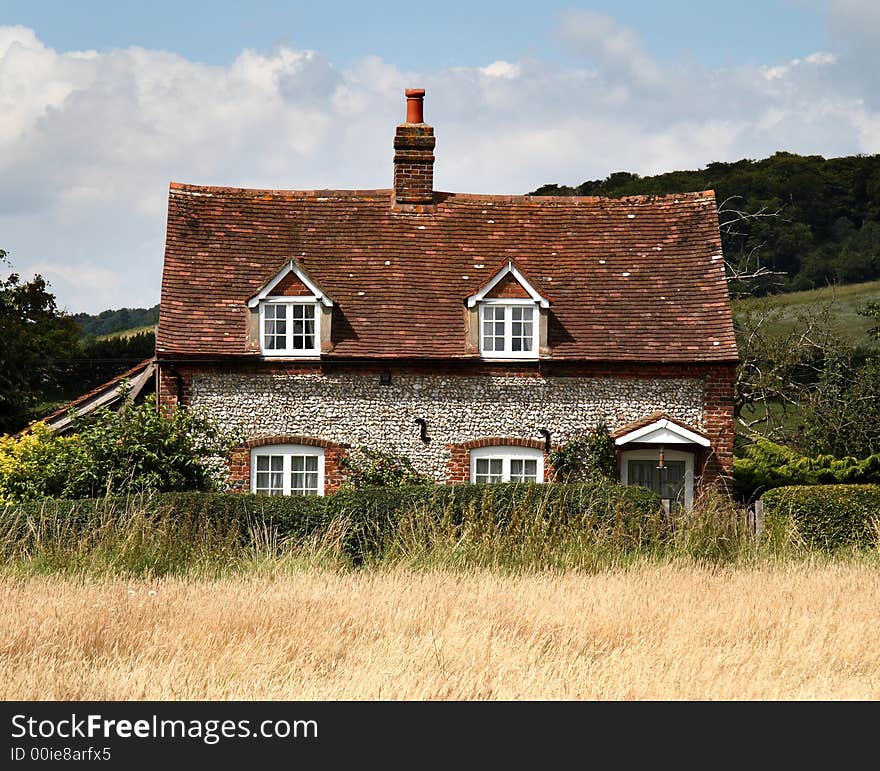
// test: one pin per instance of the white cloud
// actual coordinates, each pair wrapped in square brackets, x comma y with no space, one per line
[618,50]
[82,276]
[501,69]
[89,141]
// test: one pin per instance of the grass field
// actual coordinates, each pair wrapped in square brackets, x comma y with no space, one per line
[126,333]
[675,631]
[843,300]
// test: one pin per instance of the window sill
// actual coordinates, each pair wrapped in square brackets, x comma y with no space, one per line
[509,357]
[291,356]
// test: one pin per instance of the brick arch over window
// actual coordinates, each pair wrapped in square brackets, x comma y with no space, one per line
[240,459]
[459,467]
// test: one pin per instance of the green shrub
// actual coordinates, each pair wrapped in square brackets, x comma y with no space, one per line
[827,516]
[365,467]
[766,465]
[140,448]
[379,518]
[136,449]
[586,457]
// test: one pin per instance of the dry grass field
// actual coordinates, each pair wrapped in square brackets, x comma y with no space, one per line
[789,631]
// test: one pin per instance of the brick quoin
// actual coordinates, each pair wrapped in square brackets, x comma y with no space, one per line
[718,394]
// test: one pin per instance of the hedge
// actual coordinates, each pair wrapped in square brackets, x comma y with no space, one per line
[375,513]
[292,515]
[828,516]
[372,515]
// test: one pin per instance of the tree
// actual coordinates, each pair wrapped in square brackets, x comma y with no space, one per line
[744,270]
[34,335]
[799,384]
[871,310]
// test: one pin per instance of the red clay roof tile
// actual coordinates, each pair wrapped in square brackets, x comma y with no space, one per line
[632,279]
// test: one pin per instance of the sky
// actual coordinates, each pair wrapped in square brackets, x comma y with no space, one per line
[102,104]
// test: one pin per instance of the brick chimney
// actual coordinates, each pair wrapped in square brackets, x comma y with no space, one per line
[414,155]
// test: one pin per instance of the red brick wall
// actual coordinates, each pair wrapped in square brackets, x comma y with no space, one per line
[414,164]
[290,286]
[508,287]
[173,381]
[240,460]
[718,391]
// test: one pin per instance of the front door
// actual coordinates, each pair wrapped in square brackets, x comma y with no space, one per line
[667,482]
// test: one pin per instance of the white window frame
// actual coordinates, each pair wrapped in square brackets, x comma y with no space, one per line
[507,453]
[508,304]
[288,451]
[288,351]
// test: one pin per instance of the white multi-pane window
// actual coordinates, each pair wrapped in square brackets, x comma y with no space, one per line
[488,470]
[493,327]
[287,469]
[490,465]
[509,329]
[289,328]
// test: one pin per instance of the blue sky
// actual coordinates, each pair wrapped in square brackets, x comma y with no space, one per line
[413,35]
[105,103]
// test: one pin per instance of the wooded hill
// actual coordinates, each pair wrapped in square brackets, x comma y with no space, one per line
[110,321]
[828,228]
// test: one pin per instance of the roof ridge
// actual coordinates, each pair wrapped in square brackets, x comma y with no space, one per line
[184,187]
[583,198]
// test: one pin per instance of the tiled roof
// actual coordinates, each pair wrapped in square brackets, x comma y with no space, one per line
[631,279]
[105,395]
[653,418]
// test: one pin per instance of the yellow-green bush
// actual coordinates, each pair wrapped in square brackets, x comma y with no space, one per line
[136,449]
[35,464]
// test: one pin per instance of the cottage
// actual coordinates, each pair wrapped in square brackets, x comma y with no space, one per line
[471,333]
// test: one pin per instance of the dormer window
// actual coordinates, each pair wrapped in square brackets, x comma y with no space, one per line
[509,316]
[292,311]
[290,328]
[507,330]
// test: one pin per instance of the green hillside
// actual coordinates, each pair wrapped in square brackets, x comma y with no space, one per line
[843,302]
[124,334]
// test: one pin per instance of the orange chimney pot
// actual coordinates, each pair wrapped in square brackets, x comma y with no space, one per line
[415,105]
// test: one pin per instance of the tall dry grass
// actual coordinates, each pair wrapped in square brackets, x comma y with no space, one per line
[788,630]
[139,536]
